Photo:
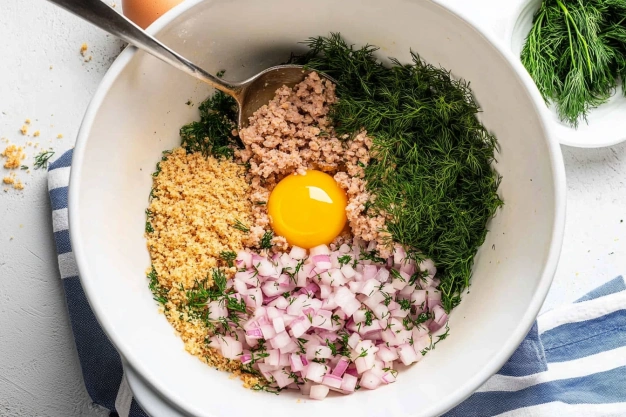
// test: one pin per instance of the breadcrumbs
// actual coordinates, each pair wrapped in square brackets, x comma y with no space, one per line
[13,181]
[293,134]
[196,201]
[14,156]
[24,130]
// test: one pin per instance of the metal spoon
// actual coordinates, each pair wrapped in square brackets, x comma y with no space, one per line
[250,94]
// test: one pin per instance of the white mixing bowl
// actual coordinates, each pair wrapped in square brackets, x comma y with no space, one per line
[136,114]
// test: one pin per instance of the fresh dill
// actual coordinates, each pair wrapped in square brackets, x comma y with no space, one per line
[266,388]
[159,293]
[369,317]
[266,240]
[431,170]
[41,160]
[23,167]
[213,134]
[344,259]
[228,257]
[576,53]
[240,226]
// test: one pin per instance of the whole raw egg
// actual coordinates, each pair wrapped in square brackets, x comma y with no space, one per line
[308,210]
[144,12]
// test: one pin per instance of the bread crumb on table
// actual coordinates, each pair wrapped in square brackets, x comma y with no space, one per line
[24,130]
[37,133]
[14,156]
[83,49]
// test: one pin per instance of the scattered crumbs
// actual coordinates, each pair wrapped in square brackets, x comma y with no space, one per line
[12,180]
[298,400]
[21,226]
[576,273]
[59,136]
[83,49]
[50,66]
[37,133]
[88,58]
[11,238]
[114,5]
[24,130]
[14,156]
[27,121]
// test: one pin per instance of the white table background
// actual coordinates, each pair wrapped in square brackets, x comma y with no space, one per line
[39,369]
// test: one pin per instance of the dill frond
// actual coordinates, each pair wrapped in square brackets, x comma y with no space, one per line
[432,159]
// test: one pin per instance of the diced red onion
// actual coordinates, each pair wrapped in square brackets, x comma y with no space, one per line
[341,367]
[332,381]
[297,253]
[370,380]
[319,392]
[348,382]
[315,372]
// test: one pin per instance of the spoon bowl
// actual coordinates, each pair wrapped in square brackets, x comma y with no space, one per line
[250,94]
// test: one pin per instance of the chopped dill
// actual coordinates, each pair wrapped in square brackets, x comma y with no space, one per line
[159,293]
[240,226]
[369,316]
[266,240]
[228,257]
[41,160]
[266,388]
[344,259]
[23,167]
[213,134]
[431,170]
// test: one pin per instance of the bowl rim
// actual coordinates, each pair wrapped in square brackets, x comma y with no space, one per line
[565,134]
[497,361]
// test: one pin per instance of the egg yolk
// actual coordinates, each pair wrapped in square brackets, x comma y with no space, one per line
[308,210]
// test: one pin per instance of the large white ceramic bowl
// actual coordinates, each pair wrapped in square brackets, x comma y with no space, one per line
[136,114]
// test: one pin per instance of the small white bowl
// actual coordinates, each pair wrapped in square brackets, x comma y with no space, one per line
[605,126]
[137,112]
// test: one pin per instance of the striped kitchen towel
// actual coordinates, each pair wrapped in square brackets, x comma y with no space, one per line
[571,363]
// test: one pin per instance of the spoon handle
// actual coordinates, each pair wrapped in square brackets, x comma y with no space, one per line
[101,15]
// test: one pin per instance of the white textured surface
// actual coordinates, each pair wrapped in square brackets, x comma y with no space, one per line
[39,370]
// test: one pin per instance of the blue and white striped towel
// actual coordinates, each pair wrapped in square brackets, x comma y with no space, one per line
[572,362]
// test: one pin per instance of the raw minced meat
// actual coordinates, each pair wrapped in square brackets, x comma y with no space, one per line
[292,134]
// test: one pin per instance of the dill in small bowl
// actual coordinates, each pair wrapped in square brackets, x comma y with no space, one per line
[576,54]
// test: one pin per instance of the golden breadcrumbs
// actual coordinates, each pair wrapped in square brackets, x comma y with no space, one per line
[12,180]
[24,130]
[59,136]
[37,133]
[14,156]
[196,201]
